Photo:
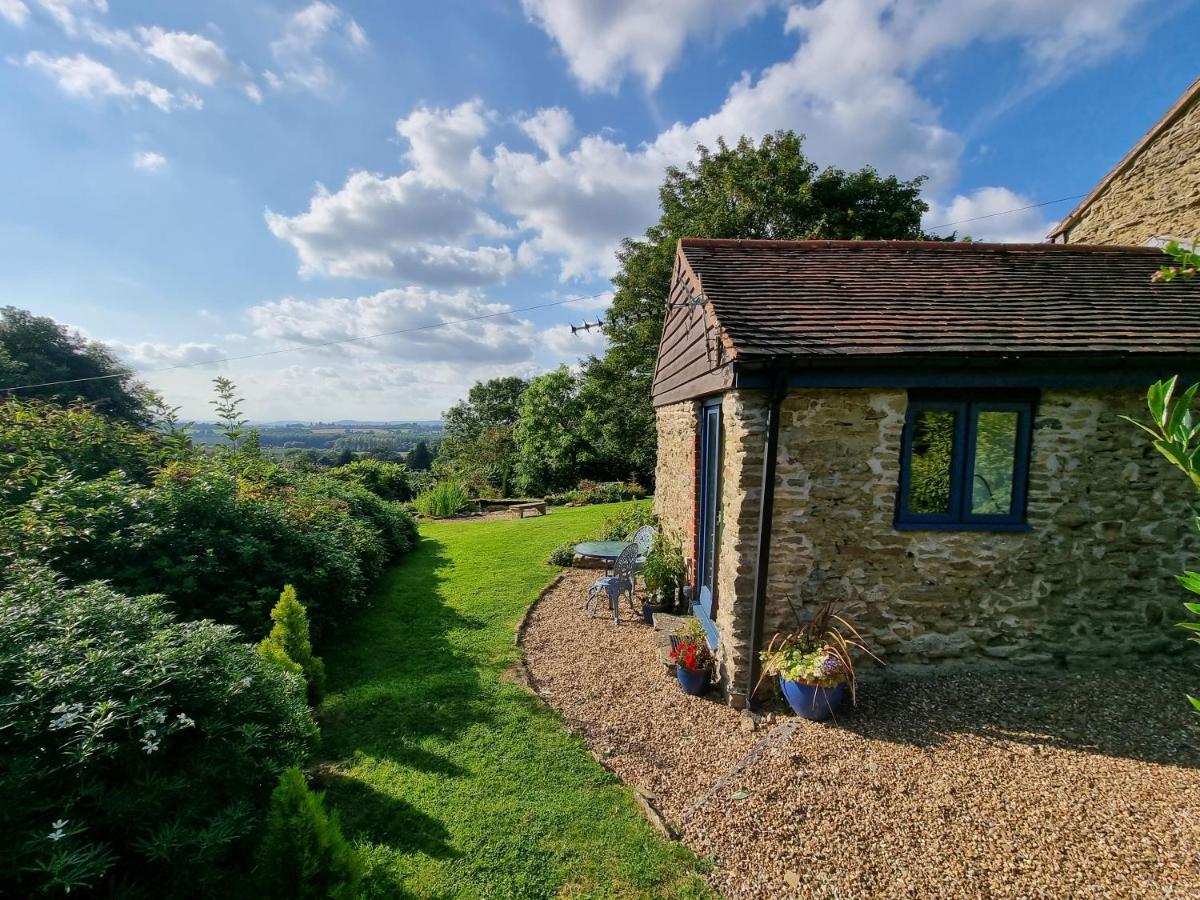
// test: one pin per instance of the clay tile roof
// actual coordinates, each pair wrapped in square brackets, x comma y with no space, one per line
[923,298]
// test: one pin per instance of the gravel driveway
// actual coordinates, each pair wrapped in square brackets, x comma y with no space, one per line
[1042,784]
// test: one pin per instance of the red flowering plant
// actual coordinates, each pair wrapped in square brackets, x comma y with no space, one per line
[689,648]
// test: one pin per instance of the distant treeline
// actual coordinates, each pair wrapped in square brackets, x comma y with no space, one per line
[399,438]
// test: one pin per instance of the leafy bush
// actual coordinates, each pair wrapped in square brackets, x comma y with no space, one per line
[444,499]
[217,533]
[598,492]
[386,480]
[289,645]
[136,749]
[621,526]
[303,855]
[665,568]
[562,556]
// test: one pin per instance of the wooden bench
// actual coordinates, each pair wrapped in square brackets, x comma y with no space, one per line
[535,508]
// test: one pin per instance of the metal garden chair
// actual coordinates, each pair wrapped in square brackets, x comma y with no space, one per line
[644,538]
[613,587]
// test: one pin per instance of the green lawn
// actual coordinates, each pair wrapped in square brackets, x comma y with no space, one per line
[453,781]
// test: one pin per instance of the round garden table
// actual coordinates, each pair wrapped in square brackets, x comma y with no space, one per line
[605,550]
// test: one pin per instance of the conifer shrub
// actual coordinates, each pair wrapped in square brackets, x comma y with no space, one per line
[137,752]
[289,645]
[303,855]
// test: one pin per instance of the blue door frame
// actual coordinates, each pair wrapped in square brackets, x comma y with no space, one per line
[708,505]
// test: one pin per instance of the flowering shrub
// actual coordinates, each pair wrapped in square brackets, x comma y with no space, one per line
[137,751]
[218,533]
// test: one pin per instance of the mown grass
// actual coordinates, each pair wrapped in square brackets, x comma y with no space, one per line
[453,781]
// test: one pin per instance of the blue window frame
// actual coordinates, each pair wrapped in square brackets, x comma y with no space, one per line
[965,463]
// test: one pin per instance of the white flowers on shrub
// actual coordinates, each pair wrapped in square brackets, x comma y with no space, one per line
[58,834]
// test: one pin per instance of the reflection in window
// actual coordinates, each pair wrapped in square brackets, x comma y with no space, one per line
[932,453]
[995,459]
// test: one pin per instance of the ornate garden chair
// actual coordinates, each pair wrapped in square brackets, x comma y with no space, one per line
[613,587]
[644,538]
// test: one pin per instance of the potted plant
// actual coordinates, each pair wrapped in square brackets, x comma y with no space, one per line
[693,659]
[663,572]
[815,664]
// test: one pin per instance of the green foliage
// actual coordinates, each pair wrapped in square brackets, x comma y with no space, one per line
[216,533]
[665,566]
[769,190]
[135,749]
[1187,262]
[37,350]
[230,421]
[289,642]
[932,462]
[420,458]
[446,498]
[478,449]
[598,492]
[548,434]
[819,652]
[562,556]
[303,855]
[387,480]
[622,525]
[1176,435]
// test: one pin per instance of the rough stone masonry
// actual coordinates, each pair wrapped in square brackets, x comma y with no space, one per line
[1110,527]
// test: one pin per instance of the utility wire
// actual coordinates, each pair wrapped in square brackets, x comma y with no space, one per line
[301,347]
[1005,212]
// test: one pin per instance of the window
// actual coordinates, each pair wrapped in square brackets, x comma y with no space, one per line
[964,463]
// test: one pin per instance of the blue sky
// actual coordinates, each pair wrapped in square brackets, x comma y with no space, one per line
[200,180]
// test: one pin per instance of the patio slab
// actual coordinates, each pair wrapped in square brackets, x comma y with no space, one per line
[1001,784]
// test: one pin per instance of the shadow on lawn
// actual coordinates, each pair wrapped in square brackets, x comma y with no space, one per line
[396,684]
[1135,714]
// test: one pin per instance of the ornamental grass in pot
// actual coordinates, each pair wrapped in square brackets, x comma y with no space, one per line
[693,659]
[815,664]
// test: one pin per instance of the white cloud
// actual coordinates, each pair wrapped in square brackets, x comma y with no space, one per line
[987,214]
[81,76]
[402,226]
[151,355]
[603,40]
[503,339]
[191,55]
[444,144]
[149,160]
[305,32]
[67,12]
[14,12]
[549,129]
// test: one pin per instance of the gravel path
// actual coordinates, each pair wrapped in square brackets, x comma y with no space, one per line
[1060,784]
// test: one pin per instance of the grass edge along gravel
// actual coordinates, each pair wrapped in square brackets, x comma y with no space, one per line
[452,780]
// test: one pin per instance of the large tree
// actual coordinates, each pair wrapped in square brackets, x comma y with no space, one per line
[478,447]
[37,350]
[551,453]
[769,190]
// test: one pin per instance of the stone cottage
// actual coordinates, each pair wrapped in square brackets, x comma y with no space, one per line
[929,434]
[1153,193]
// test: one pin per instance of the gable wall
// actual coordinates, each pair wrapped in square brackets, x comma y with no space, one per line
[1159,194]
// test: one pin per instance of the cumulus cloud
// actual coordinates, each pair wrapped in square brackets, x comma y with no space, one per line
[550,129]
[444,145]
[502,339]
[297,52]
[150,355]
[149,161]
[402,226]
[81,76]
[605,40]
[14,12]
[987,214]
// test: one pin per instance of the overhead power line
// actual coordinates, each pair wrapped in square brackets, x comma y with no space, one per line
[302,347]
[1005,212]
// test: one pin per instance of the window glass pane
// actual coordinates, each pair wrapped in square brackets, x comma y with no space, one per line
[929,471]
[995,458]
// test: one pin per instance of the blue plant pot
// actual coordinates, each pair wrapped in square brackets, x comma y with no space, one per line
[694,683]
[815,703]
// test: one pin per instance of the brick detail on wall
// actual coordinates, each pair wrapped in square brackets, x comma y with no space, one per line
[1159,194]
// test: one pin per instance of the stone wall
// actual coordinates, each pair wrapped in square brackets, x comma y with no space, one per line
[675,472]
[1159,194]
[1110,527]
